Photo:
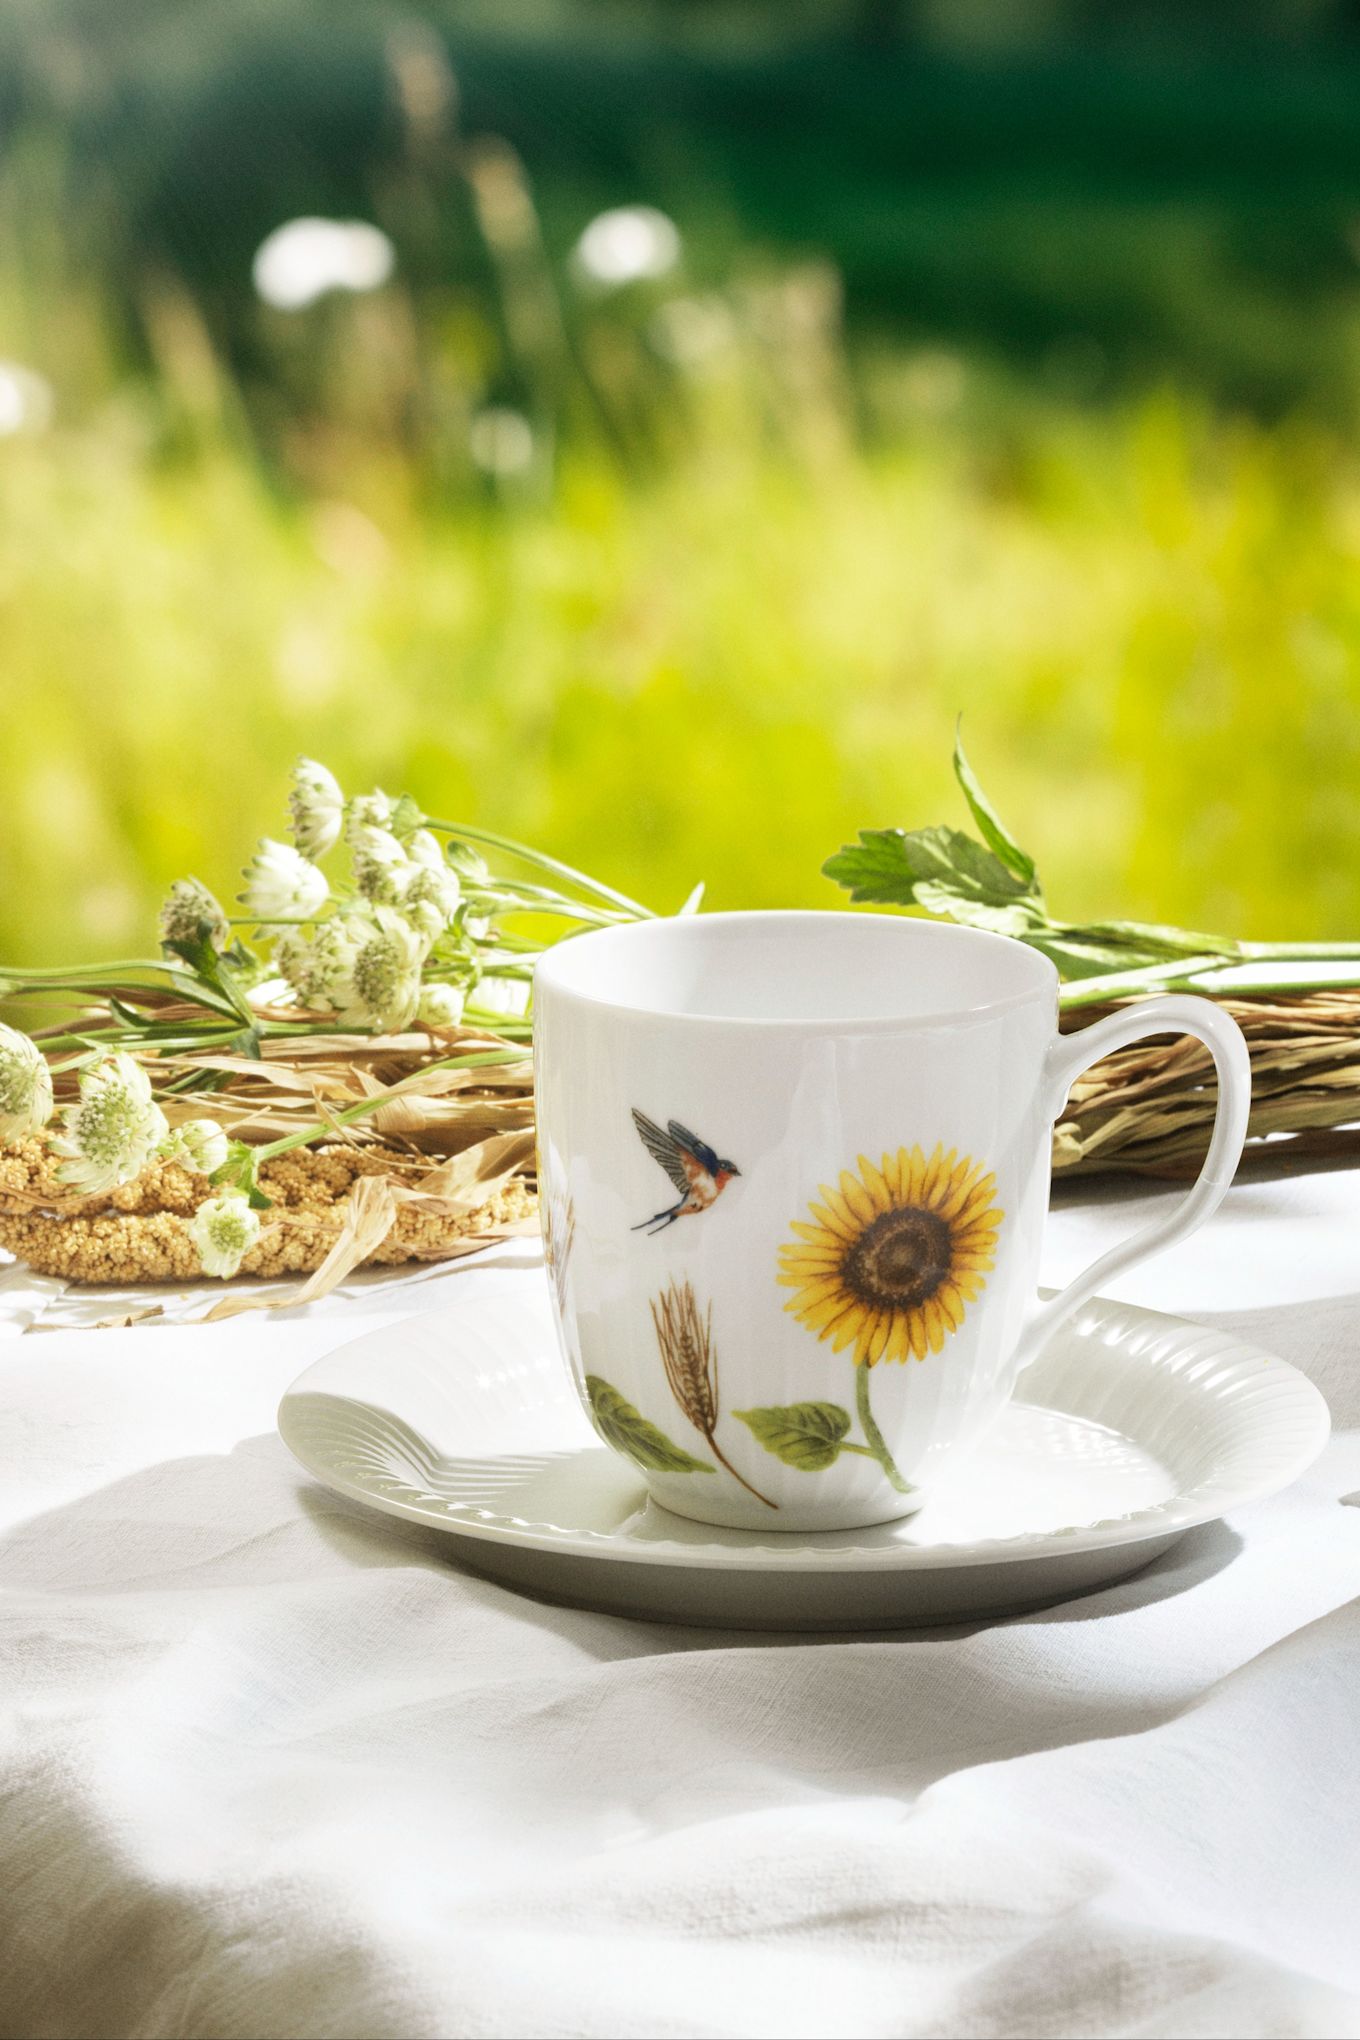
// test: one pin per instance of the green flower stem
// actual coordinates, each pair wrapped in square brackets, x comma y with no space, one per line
[1303,952]
[1212,974]
[478,1059]
[536,899]
[510,938]
[78,975]
[498,1023]
[544,863]
[878,1444]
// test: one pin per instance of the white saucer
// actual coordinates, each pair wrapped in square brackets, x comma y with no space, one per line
[1134,1428]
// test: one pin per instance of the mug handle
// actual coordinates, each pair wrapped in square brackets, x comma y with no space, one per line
[1070,1055]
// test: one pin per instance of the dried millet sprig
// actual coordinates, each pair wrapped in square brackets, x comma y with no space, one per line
[131,1237]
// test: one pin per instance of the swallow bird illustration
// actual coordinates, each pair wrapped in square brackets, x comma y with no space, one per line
[697,1170]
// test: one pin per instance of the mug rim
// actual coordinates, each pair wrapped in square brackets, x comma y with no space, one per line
[548,974]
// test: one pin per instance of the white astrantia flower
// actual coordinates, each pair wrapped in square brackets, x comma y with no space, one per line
[282,884]
[423,848]
[440,1006]
[380,863]
[368,811]
[468,861]
[224,1230]
[506,996]
[25,1085]
[382,987]
[429,897]
[190,912]
[112,1133]
[200,1144]
[317,807]
[315,969]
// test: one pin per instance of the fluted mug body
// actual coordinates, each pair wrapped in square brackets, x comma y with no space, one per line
[793,1172]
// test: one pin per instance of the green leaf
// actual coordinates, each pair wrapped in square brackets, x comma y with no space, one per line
[629,1432]
[939,869]
[994,831]
[1076,959]
[1154,937]
[959,877]
[808,1435]
[876,868]
[239,1172]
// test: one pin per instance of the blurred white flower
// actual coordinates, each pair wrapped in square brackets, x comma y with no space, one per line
[304,259]
[317,806]
[190,912]
[380,863]
[504,995]
[440,1006]
[468,862]
[25,1085]
[429,896]
[224,1230]
[26,401]
[112,1133]
[382,986]
[369,811]
[282,884]
[501,441]
[627,244]
[200,1144]
[315,969]
[423,848]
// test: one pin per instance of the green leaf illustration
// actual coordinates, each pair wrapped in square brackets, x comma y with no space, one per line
[628,1431]
[808,1435]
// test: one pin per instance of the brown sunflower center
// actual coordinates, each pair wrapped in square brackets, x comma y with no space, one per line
[899,1260]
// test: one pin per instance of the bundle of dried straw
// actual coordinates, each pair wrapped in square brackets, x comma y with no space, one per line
[1149,1109]
[419,1161]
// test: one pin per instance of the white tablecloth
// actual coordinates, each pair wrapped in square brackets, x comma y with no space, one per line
[271,1766]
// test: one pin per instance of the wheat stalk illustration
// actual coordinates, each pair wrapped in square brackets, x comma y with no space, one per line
[685,1338]
[559,1236]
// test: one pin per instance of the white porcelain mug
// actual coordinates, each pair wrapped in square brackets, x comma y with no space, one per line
[794,1170]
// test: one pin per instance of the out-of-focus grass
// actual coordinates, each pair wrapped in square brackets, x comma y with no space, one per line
[727,613]
[715,664]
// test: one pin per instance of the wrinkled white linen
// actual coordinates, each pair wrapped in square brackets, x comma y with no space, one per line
[274,1766]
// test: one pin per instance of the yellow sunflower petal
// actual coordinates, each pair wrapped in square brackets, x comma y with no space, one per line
[899,1342]
[876,1344]
[857,1198]
[920,1167]
[834,1216]
[955,1194]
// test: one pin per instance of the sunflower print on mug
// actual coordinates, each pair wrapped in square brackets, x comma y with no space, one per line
[895,1254]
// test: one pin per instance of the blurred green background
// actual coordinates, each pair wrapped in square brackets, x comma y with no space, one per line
[924,356]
